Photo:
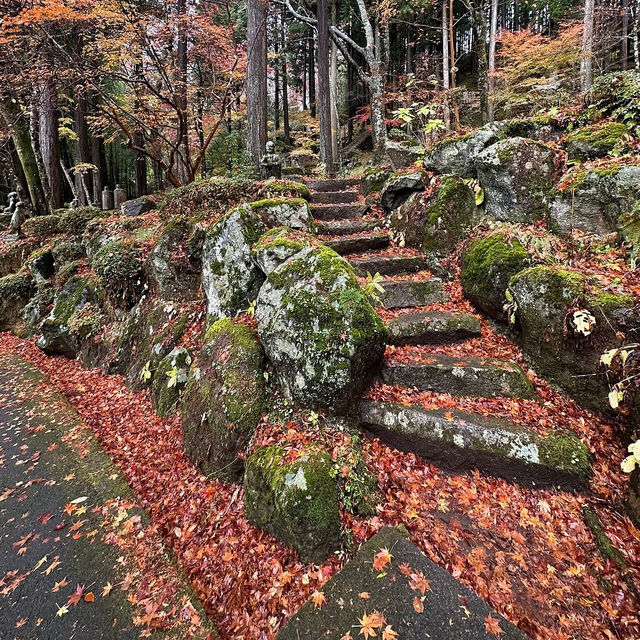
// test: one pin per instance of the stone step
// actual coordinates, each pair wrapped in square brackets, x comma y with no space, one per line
[432,327]
[458,441]
[346,227]
[338,211]
[403,294]
[335,197]
[387,265]
[475,377]
[451,610]
[359,243]
[336,184]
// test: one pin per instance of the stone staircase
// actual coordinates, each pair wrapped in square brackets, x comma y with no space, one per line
[452,439]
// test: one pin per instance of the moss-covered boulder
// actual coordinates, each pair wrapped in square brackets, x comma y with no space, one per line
[75,221]
[37,309]
[487,266]
[399,188]
[282,188]
[75,315]
[169,380]
[373,180]
[40,265]
[284,212]
[118,264]
[65,251]
[596,140]
[173,272]
[278,245]
[436,221]
[150,332]
[595,201]
[224,399]
[15,291]
[42,226]
[319,330]
[230,277]
[458,154]
[565,326]
[13,255]
[517,176]
[297,502]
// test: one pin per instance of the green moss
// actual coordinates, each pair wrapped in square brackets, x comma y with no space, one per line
[286,238]
[65,252]
[487,266]
[16,286]
[567,452]
[75,221]
[560,285]
[608,302]
[596,140]
[119,267]
[77,290]
[42,226]
[576,180]
[276,202]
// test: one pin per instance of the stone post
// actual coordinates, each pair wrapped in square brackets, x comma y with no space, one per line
[119,196]
[107,199]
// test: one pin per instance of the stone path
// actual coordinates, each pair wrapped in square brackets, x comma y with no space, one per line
[55,485]
[403,593]
[455,441]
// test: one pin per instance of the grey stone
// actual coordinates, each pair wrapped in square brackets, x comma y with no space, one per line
[457,440]
[360,243]
[387,265]
[432,327]
[401,294]
[133,208]
[230,278]
[401,154]
[284,212]
[391,593]
[517,176]
[319,330]
[398,189]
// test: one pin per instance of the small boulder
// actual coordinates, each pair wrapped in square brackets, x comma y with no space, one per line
[278,245]
[284,212]
[373,181]
[296,502]
[15,291]
[517,176]
[224,399]
[172,271]
[596,141]
[487,266]
[402,154]
[133,208]
[169,381]
[565,327]
[595,201]
[319,330]
[398,189]
[42,226]
[230,278]
[40,265]
[437,220]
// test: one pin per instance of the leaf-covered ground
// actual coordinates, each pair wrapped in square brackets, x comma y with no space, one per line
[527,552]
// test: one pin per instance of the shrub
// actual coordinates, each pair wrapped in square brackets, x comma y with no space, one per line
[42,226]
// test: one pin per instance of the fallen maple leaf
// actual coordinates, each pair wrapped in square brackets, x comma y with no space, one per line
[318,599]
[76,596]
[369,623]
[388,633]
[418,604]
[62,610]
[106,590]
[492,626]
[419,583]
[58,585]
[365,595]
[89,597]
[381,559]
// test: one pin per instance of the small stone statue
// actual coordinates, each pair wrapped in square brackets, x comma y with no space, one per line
[107,199]
[119,196]
[73,204]
[17,219]
[270,163]
[10,208]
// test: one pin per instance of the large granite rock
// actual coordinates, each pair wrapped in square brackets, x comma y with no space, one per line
[319,330]
[545,303]
[488,264]
[223,399]
[75,316]
[398,189]
[133,208]
[392,593]
[436,222]
[278,245]
[230,277]
[173,272]
[169,381]
[517,176]
[15,292]
[402,154]
[284,212]
[297,502]
[597,201]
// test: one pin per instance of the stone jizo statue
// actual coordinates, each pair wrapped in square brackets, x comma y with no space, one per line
[11,207]
[73,204]
[18,219]
[270,163]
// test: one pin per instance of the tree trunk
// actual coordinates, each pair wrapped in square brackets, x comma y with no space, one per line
[276,79]
[636,36]
[312,76]
[492,57]
[142,187]
[586,62]
[624,48]
[34,134]
[452,62]
[378,124]
[324,87]
[82,149]
[480,46]
[50,141]
[256,83]
[19,129]
[184,170]
[333,83]
[446,81]
[285,82]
